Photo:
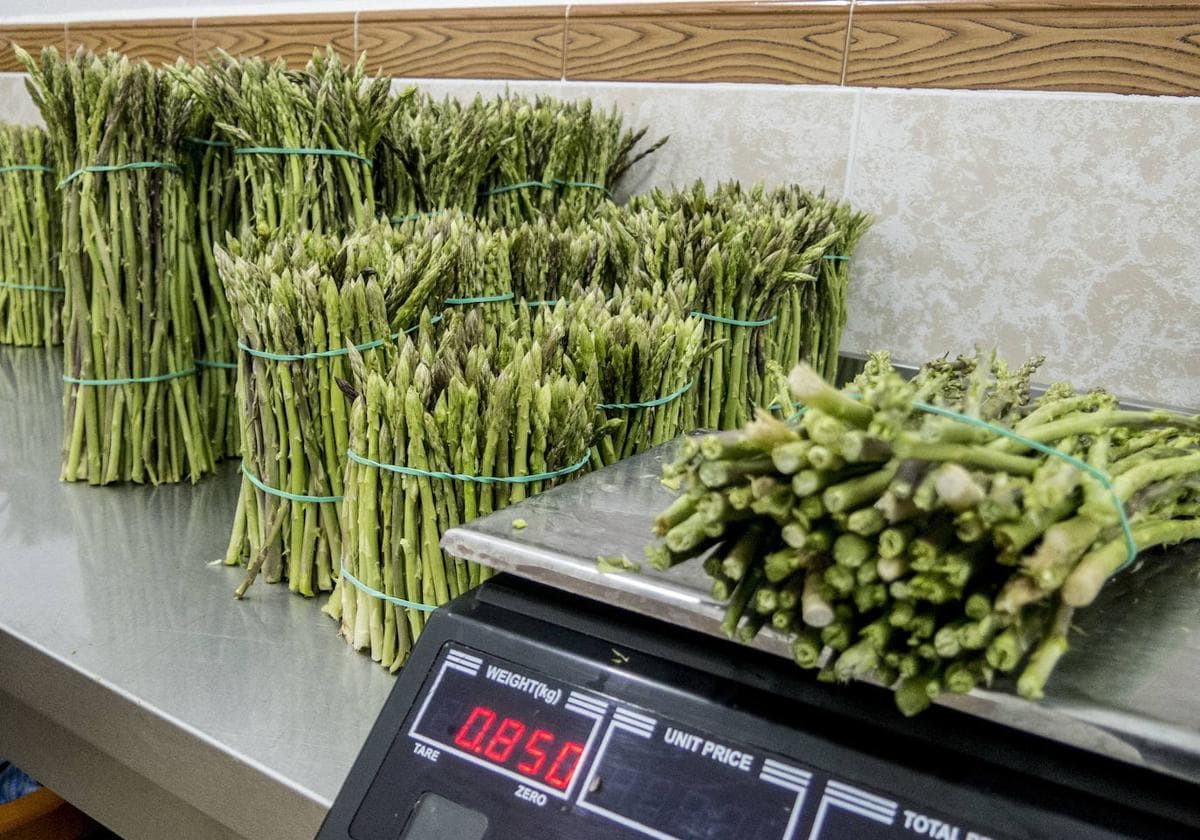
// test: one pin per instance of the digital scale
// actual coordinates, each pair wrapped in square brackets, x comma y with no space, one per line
[556,701]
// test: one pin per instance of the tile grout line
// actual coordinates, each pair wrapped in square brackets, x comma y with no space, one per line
[846,48]
[852,145]
[566,27]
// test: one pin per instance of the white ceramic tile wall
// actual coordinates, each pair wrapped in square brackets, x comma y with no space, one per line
[15,104]
[1063,224]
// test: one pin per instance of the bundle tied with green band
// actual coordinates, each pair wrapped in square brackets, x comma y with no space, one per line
[300,302]
[132,409]
[302,141]
[764,288]
[31,294]
[934,534]
[507,160]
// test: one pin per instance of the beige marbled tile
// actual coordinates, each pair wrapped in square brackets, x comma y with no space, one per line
[16,106]
[1060,224]
[720,132]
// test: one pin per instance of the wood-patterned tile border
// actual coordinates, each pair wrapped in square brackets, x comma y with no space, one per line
[1121,46]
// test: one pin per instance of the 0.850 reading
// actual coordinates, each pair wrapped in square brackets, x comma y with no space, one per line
[507,741]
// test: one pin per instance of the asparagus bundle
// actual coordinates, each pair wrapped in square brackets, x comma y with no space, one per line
[643,353]
[299,301]
[930,533]
[304,140]
[435,154]
[131,405]
[213,182]
[31,295]
[507,159]
[762,287]
[493,405]
[557,157]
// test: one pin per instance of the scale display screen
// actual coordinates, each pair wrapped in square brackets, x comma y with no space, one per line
[562,761]
[521,726]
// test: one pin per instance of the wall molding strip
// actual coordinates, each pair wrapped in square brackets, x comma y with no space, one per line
[1117,46]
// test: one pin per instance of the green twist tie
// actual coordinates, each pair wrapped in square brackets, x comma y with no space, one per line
[479,479]
[283,494]
[841,257]
[546,185]
[316,354]
[733,322]
[26,167]
[416,327]
[383,596]
[484,299]
[412,217]
[1099,475]
[276,150]
[652,403]
[31,287]
[118,167]
[208,363]
[132,380]
[218,144]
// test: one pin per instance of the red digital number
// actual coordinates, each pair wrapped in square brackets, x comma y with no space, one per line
[471,735]
[560,772]
[506,737]
[537,756]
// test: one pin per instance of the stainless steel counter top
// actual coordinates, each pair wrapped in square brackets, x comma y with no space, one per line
[131,681]
[1129,687]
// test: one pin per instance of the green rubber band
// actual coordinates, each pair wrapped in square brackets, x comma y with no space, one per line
[479,479]
[315,354]
[416,327]
[132,380]
[836,257]
[218,144]
[32,287]
[1100,476]
[207,363]
[276,150]
[26,167]
[652,403]
[383,596]
[554,302]
[412,217]
[118,167]
[545,185]
[733,322]
[283,494]
[485,299]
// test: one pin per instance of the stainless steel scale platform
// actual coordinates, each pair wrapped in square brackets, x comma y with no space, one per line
[1128,689]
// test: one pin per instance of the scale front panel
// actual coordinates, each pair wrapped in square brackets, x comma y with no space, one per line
[489,736]
[521,716]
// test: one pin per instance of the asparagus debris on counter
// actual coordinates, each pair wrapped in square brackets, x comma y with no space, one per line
[931,534]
